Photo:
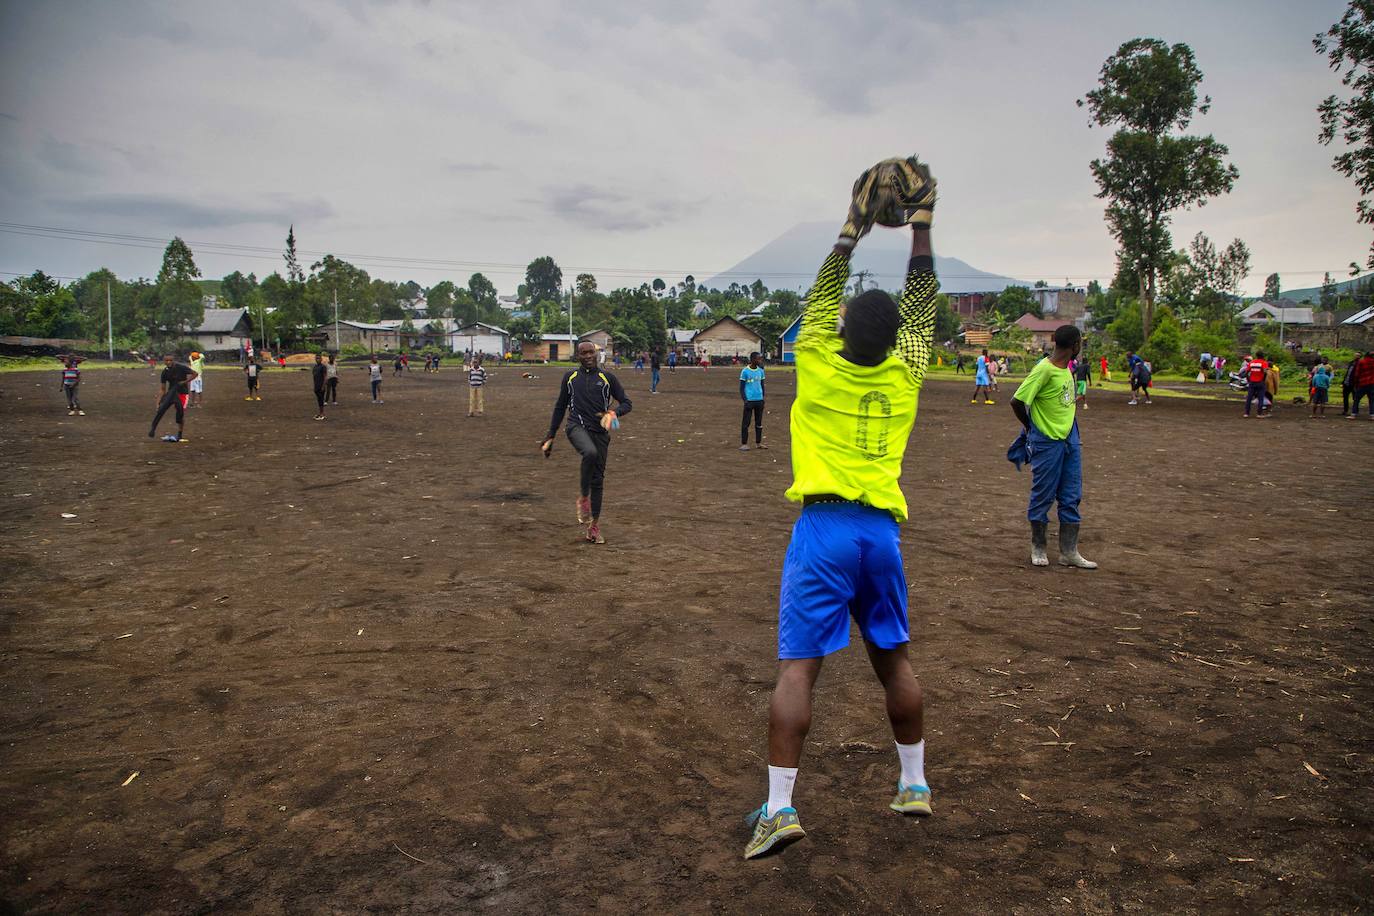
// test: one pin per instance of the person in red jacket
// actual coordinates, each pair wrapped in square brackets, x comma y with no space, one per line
[1363,386]
[1255,372]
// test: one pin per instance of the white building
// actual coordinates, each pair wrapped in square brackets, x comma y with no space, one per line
[222,330]
[481,337]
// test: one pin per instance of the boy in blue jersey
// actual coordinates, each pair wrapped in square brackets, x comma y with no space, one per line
[751,392]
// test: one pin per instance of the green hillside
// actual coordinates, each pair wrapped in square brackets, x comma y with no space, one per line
[1315,293]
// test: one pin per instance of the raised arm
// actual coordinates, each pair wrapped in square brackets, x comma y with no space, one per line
[916,332]
[822,312]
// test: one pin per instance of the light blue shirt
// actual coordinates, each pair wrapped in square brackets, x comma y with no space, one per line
[753,383]
[980,372]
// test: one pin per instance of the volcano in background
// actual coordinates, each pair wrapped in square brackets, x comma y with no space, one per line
[791,260]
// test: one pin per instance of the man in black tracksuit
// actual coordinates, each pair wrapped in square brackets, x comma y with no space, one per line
[585,396]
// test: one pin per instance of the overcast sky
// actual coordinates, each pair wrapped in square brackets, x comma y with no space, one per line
[634,139]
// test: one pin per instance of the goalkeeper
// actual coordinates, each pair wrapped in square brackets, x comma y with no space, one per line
[859,372]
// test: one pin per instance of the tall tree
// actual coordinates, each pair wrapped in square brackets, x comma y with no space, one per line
[1016,301]
[1329,296]
[544,280]
[330,277]
[758,290]
[585,284]
[439,299]
[179,306]
[235,288]
[659,286]
[89,293]
[1210,279]
[1271,288]
[483,291]
[293,267]
[1349,47]
[1150,90]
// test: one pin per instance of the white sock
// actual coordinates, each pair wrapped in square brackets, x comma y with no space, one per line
[913,757]
[780,782]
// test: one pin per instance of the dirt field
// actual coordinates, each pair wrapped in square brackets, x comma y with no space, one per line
[365,665]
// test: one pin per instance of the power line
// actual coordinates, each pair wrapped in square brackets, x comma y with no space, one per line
[443,265]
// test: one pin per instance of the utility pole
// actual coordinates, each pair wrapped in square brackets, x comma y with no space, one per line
[337,346]
[572,341]
[109,318]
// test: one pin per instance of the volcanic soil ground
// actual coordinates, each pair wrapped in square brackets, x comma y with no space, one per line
[365,664]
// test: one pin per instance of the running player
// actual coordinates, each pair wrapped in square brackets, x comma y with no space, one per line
[982,380]
[252,371]
[1044,403]
[853,413]
[751,393]
[1082,377]
[175,381]
[71,382]
[655,367]
[585,396]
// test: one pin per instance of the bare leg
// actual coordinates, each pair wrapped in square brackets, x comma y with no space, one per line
[789,713]
[905,701]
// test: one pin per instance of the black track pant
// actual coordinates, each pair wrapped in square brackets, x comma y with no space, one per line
[333,390]
[73,403]
[170,399]
[754,408]
[592,446]
[319,396]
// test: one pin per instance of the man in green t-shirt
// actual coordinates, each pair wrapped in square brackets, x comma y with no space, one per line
[198,383]
[1044,404]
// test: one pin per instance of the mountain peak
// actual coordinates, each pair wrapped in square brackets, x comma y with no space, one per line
[790,261]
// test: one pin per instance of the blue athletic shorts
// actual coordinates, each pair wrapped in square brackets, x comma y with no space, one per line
[843,559]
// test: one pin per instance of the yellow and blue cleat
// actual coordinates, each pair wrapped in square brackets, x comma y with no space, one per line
[772,832]
[911,800]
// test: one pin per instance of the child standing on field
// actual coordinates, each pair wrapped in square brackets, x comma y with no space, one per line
[374,370]
[71,381]
[477,378]
[1321,387]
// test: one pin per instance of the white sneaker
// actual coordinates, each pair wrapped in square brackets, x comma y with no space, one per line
[1130,403]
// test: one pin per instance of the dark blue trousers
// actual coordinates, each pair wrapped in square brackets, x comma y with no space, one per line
[1056,476]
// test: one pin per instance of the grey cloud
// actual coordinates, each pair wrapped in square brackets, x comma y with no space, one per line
[69,157]
[464,168]
[9,117]
[173,214]
[613,211]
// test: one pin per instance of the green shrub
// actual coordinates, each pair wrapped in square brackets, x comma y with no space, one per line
[1339,356]
[1274,352]
[1164,349]
[354,349]
[1207,338]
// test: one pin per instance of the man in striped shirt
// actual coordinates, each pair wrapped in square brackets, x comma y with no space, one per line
[71,381]
[477,379]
